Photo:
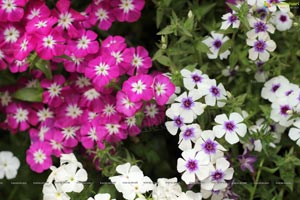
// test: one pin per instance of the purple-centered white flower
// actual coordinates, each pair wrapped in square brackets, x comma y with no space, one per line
[187,105]
[273,86]
[215,43]
[294,133]
[189,133]
[177,123]
[281,20]
[193,164]
[261,47]
[259,27]
[282,111]
[230,127]
[230,19]
[215,94]
[218,176]
[194,78]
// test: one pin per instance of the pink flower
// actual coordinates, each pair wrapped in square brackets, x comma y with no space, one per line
[154,115]
[38,156]
[90,135]
[68,136]
[89,97]
[127,10]
[137,60]
[12,10]
[55,139]
[85,44]
[50,45]
[40,26]
[74,63]
[39,133]
[102,70]
[113,41]
[139,88]
[114,130]
[54,87]
[37,9]
[101,14]
[19,66]
[163,89]
[132,128]
[108,109]
[25,45]
[11,33]
[125,106]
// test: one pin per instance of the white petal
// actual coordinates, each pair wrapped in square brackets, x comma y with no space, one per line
[171,127]
[219,131]
[271,45]
[189,83]
[220,119]
[231,138]
[236,117]
[222,164]
[264,56]
[203,172]
[253,54]
[294,134]
[195,94]
[81,175]
[186,73]
[188,177]
[198,108]
[181,165]
[241,129]
[123,169]
[210,100]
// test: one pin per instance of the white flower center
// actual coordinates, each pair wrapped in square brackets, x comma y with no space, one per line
[11,35]
[39,156]
[73,111]
[138,87]
[5,98]
[126,5]
[69,132]
[42,132]
[21,115]
[41,24]
[83,42]
[56,145]
[102,69]
[34,13]
[131,121]
[92,134]
[151,110]
[54,90]
[8,5]
[49,42]
[82,82]
[101,14]
[31,83]
[127,103]
[44,114]
[109,110]
[137,61]
[92,115]
[76,60]
[112,128]
[160,89]
[118,56]
[91,94]
[65,20]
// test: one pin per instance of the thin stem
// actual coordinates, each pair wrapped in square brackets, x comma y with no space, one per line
[256,179]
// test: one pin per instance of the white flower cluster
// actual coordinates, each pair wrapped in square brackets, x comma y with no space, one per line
[9,165]
[68,177]
[285,99]
[203,158]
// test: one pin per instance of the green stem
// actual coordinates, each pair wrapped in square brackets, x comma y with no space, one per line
[256,179]
[12,194]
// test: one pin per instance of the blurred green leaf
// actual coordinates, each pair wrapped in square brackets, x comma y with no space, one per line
[29,94]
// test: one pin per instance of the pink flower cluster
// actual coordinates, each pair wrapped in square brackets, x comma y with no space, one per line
[107,86]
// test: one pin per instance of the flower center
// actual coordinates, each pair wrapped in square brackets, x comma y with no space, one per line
[232,18]
[215,91]
[260,46]
[217,44]
[217,175]
[192,165]
[188,133]
[229,126]
[187,103]
[196,78]
[260,27]
[284,110]
[283,18]
[178,121]
[209,146]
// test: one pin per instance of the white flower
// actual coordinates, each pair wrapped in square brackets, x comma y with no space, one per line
[189,133]
[215,43]
[71,177]
[178,121]
[54,192]
[215,94]
[194,164]
[294,132]
[100,197]
[194,78]
[189,195]
[282,21]
[9,165]
[215,195]
[258,3]
[132,181]
[188,107]
[230,19]
[218,176]
[274,86]
[259,27]
[261,47]
[69,159]
[230,127]
[282,111]
[166,189]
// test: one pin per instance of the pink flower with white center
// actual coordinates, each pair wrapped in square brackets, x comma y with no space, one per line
[85,44]
[54,87]
[18,116]
[209,146]
[88,97]
[5,98]
[101,71]
[101,15]
[215,43]
[273,86]
[113,41]
[25,45]
[137,60]
[55,139]
[154,115]
[127,10]
[294,132]
[10,34]
[188,135]
[177,123]
[188,107]
[38,156]
[50,45]
[125,106]
[12,10]
[40,26]
[259,27]
[132,128]
[19,66]
[193,164]
[66,17]
[90,135]
[231,19]
[231,127]
[39,133]
[80,82]
[139,88]
[261,47]
[282,21]
[108,108]
[37,9]
[163,89]
[70,136]
[216,94]
[282,111]
[113,131]
[45,114]
[218,176]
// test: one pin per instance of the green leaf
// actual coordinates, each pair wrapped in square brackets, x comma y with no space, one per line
[201,47]
[225,46]
[270,170]
[287,173]
[167,30]
[6,78]
[159,16]
[233,7]
[164,60]
[29,94]
[44,66]
[202,10]
[233,59]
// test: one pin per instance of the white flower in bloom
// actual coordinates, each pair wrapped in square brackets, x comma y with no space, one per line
[218,175]
[9,165]
[189,133]
[214,194]
[69,159]
[54,192]
[194,78]
[215,43]
[230,19]
[258,3]
[194,164]
[274,86]
[189,195]
[71,177]
[101,197]
[187,105]
[261,47]
[215,94]
[231,127]
[178,121]
[259,27]
[174,96]
[294,132]
[132,181]
[166,189]
[282,21]
[282,111]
